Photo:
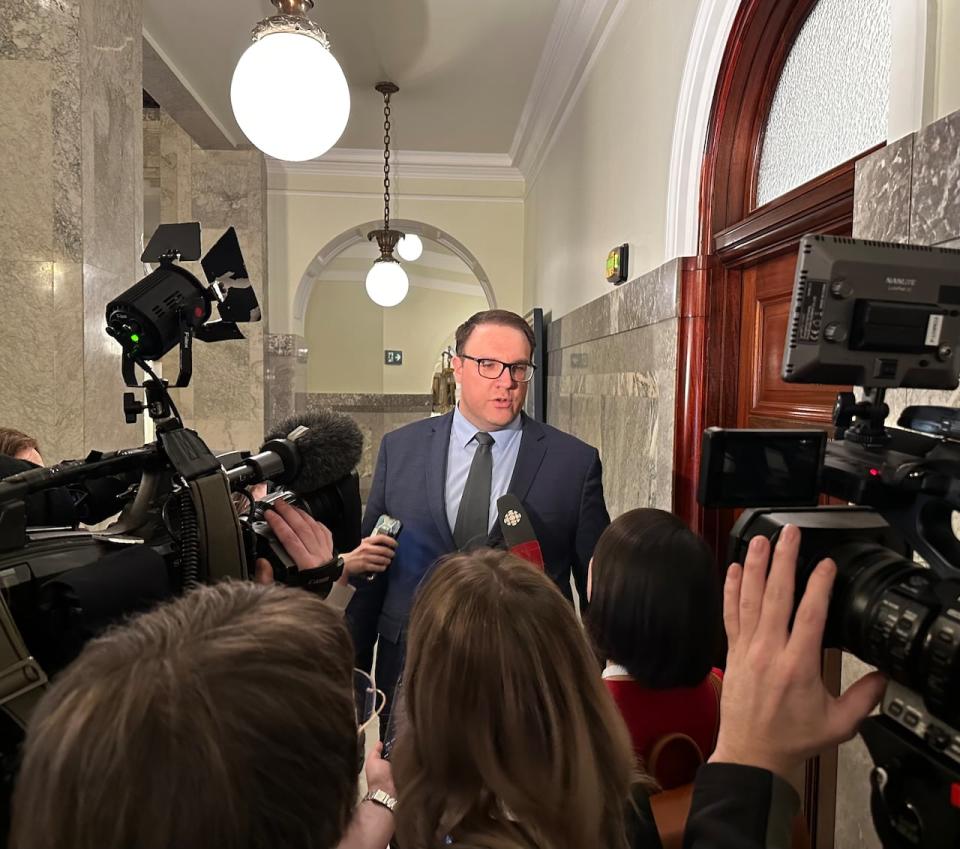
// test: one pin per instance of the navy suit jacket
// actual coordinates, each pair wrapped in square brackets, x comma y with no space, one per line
[557,477]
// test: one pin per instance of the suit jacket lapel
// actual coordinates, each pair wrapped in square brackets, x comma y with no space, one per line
[437,477]
[533,447]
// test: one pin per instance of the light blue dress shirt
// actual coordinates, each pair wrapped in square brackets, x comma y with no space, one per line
[505,449]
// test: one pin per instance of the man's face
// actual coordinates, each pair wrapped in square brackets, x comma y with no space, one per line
[491,404]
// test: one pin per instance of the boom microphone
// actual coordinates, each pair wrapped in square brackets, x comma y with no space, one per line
[517,530]
[329,451]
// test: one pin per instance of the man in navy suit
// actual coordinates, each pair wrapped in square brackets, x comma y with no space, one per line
[442,477]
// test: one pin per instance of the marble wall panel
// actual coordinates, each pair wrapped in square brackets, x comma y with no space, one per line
[152,151]
[176,166]
[50,35]
[881,207]
[50,32]
[27,183]
[375,415]
[111,111]
[27,401]
[223,434]
[225,401]
[611,381]
[71,182]
[66,329]
[227,191]
[285,375]
[645,300]
[224,185]
[935,194]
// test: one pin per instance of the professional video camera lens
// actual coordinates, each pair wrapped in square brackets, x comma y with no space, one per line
[901,618]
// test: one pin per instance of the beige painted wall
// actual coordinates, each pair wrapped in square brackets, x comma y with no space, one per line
[344,357]
[307,211]
[346,334]
[605,180]
[420,327]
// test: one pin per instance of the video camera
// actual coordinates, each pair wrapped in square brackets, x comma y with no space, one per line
[177,525]
[878,316]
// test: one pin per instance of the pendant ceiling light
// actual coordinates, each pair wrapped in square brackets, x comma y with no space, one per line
[410,247]
[387,282]
[289,94]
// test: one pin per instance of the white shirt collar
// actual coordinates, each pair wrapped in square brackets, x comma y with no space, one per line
[615,670]
[465,431]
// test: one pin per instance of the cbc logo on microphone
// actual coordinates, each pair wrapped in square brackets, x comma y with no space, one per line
[512,518]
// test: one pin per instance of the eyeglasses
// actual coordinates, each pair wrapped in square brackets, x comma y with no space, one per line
[492,369]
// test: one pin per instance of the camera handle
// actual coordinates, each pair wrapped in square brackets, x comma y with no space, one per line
[862,422]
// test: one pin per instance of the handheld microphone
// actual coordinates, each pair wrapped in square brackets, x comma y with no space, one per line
[517,530]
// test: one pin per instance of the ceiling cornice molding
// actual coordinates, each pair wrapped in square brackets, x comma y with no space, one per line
[427,164]
[571,43]
[184,100]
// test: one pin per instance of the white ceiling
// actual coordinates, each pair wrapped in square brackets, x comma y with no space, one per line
[465,67]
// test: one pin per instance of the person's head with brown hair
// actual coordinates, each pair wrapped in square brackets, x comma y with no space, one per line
[225,718]
[493,364]
[16,443]
[501,318]
[655,599]
[508,738]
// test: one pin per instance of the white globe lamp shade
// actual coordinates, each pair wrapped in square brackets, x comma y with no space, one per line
[410,247]
[387,283]
[290,96]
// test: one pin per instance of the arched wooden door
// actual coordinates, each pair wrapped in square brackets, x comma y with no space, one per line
[735,295]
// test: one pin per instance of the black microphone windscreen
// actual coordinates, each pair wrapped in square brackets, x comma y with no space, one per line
[330,450]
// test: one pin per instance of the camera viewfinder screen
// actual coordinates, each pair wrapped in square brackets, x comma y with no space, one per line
[761,468]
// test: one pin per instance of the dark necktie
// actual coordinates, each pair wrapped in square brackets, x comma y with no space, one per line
[473,517]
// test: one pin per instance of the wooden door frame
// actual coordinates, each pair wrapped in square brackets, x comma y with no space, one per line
[733,233]
[709,310]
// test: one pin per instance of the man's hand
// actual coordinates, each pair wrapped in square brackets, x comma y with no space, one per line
[775,711]
[372,825]
[308,542]
[374,554]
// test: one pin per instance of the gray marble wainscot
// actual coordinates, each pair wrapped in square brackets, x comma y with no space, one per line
[611,381]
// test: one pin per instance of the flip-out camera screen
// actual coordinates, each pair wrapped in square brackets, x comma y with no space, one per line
[761,468]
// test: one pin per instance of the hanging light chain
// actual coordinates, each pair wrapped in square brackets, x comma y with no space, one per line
[386,161]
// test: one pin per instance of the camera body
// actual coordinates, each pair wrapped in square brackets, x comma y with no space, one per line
[879,316]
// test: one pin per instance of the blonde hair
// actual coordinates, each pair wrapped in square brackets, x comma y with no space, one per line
[509,737]
[225,718]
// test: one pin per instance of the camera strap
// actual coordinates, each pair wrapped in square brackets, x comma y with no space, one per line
[22,680]
[221,540]
[218,528]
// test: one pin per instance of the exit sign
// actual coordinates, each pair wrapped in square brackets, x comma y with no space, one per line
[393,358]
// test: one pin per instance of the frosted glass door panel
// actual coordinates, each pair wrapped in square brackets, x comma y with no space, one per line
[831,101]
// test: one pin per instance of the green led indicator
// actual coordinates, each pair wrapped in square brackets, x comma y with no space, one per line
[134,337]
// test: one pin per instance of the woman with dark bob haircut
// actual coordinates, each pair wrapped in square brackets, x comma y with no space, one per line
[655,617]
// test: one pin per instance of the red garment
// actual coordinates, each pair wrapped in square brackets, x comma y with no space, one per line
[651,715]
